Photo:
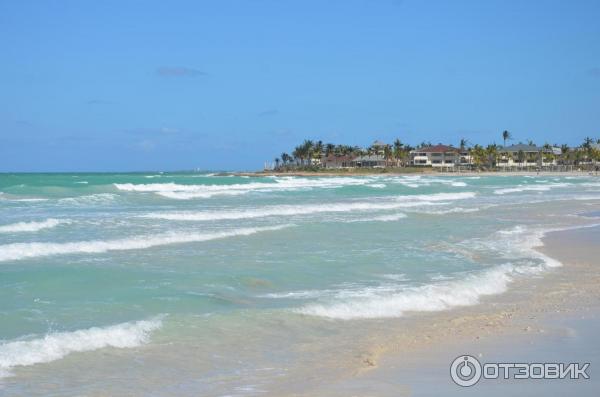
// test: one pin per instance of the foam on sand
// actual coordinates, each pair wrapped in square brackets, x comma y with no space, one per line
[33,226]
[18,251]
[57,345]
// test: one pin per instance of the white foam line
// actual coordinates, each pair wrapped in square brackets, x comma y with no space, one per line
[382,218]
[290,210]
[444,295]
[33,226]
[185,192]
[535,188]
[89,199]
[57,345]
[18,251]
[431,297]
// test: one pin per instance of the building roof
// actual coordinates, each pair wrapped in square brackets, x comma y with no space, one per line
[521,148]
[333,157]
[371,157]
[437,149]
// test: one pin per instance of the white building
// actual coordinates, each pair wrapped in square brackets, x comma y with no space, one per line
[521,156]
[439,156]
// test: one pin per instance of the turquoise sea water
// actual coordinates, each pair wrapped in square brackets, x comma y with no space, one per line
[222,285]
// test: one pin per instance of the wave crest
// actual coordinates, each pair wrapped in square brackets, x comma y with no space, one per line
[306,209]
[33,226]
[55,346]
[18,251]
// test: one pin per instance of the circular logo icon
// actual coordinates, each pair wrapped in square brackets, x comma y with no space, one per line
[465,370]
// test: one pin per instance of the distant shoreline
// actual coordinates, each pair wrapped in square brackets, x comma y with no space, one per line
[410,171]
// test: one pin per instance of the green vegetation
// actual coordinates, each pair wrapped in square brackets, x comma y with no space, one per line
[316,156]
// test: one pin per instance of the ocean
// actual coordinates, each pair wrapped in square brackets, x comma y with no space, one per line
[204,284]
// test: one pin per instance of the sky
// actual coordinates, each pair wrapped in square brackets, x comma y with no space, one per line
[228,85]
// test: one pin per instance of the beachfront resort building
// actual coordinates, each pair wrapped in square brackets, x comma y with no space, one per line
[439,156]
[342,161]
[354,161]
[522,156]
[370,160]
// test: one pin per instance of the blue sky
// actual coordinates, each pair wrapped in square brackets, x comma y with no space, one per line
[142,85]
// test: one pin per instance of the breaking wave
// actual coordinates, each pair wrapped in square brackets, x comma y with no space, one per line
[427,298]
[32,226]
[290,210]
[533,188]
[57,345]
[186,192]
[513,244]
[18,251]
[89,199]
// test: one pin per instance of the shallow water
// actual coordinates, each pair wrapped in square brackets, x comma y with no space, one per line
[198,283]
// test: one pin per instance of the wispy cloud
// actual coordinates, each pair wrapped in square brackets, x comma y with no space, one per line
[595,72]
[179,71]
[268,112]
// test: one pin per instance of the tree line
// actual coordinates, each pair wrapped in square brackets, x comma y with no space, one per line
[310,153]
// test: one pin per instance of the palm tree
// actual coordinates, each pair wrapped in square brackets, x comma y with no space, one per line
[463,144]
[506,136]
[398,152]
[317,151]
[387,154]
[307,148]
[285,158]
[492,154]
[329,149]
[478,154]
[521,157]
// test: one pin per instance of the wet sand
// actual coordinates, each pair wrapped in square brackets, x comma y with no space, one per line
[552,318]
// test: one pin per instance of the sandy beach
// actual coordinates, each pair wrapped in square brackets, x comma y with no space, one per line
[365,286]
[554,318]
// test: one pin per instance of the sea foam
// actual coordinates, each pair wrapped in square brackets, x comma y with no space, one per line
[57,345]
[431,297]
[306,209]
[186,192]
[18,251]
[533,188]
[33,226]
[517,243]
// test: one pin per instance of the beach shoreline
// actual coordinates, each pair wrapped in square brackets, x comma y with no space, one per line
[528,318]
[411,172]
